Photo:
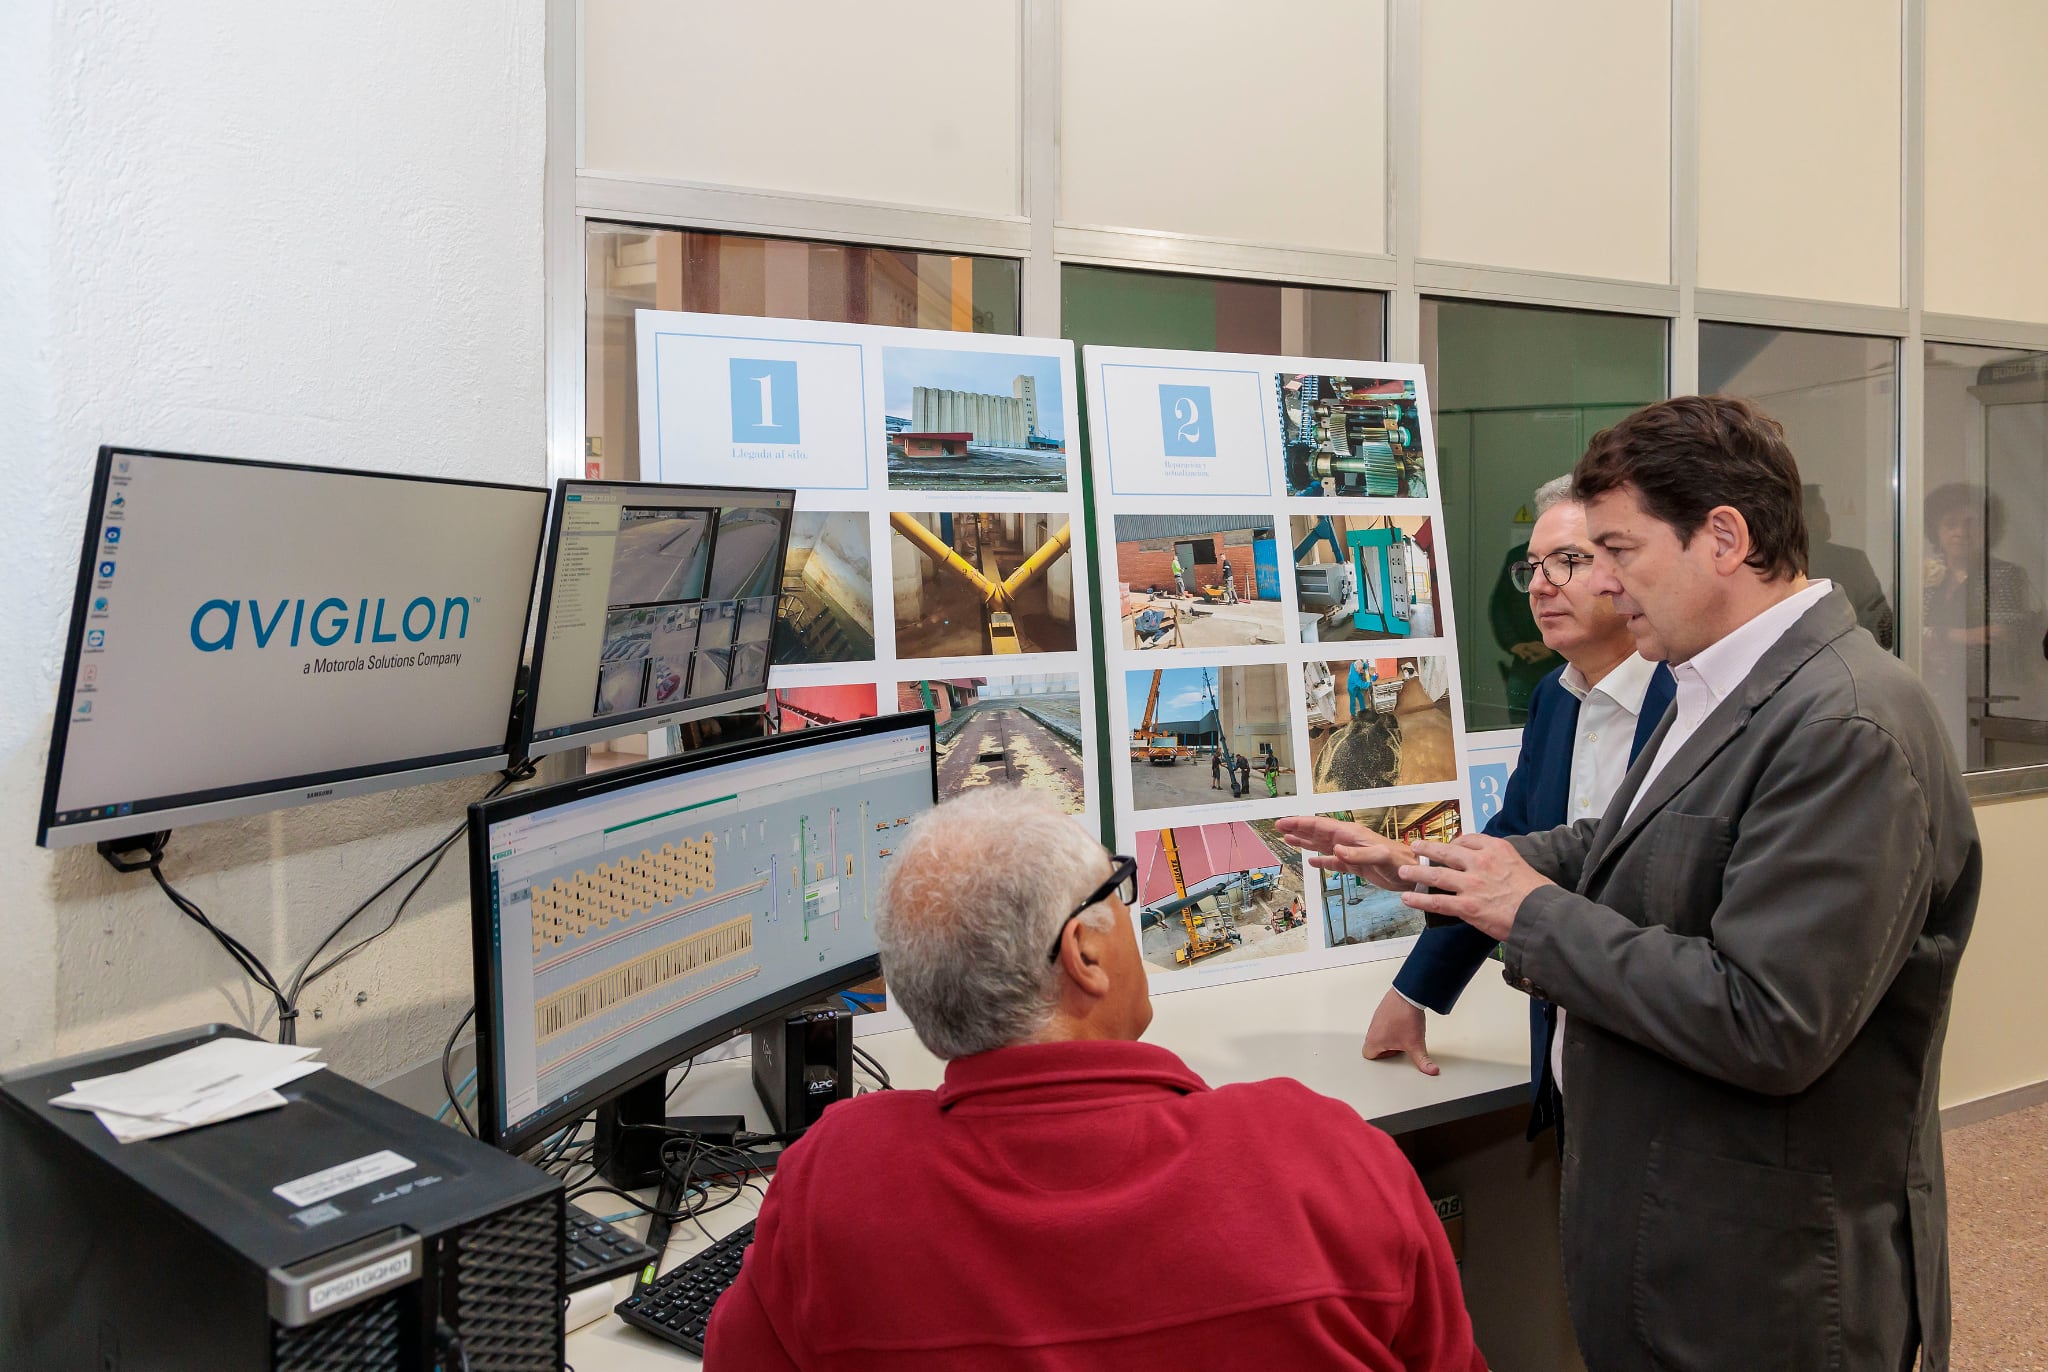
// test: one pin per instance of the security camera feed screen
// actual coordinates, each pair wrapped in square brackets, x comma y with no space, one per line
[661,598]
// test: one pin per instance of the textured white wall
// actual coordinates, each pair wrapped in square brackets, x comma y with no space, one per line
[1799,148]
[1226,120]
[1546,136]
[913,102]
[307,232]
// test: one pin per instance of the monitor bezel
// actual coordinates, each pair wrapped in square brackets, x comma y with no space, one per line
[276,793]
[654,717]
[491,1126]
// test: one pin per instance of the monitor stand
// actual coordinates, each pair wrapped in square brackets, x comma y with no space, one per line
[631,1150]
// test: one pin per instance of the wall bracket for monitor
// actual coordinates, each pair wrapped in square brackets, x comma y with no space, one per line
[137,853]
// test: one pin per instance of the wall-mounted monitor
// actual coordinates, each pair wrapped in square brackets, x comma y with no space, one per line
[253,635]
[657,606]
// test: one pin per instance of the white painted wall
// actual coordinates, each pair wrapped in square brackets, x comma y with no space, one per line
[307,232]
[1546,136]
[1799,148]
[1987,183]
[1227,120]
[912,102]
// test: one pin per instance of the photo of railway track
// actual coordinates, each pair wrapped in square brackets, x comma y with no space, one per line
[1022,731]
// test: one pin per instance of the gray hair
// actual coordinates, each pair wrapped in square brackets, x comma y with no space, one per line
[1554,492]
[970,907]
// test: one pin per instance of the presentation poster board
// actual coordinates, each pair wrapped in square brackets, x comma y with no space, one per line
[1278,640]
[936,560]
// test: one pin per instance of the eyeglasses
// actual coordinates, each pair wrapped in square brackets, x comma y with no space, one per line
[1123,883]
[1556,569]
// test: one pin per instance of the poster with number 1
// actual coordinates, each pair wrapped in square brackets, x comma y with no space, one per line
[1279,639]
[932,559]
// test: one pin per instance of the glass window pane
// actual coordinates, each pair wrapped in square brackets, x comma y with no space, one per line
[1837,396]
[1519,391]
[1109,305]
[1984,561]
[630,268]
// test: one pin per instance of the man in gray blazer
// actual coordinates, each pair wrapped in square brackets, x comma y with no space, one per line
[1755,947]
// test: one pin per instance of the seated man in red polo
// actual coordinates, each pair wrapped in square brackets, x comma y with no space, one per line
[1071,1198]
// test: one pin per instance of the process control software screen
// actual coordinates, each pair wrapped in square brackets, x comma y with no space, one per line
[625,921]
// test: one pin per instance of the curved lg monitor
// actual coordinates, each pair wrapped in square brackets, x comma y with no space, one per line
[657,607]
[630,919]
[252,635]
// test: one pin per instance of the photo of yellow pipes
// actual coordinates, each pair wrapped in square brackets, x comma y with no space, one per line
[988,583]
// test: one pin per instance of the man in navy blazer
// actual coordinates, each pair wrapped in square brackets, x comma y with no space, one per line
[1563,773]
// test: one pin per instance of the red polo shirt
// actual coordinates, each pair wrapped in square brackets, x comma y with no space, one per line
[1094,1205]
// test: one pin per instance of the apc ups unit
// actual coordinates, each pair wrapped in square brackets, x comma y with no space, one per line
[803,1062]
[341,1233]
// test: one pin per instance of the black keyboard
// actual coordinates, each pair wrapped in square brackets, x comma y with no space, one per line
[678,1305]
[594,1251]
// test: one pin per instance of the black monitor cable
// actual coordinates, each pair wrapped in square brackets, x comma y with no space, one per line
[121,856]
[448,1077]
[309,973]
[145,853]
[863,1058]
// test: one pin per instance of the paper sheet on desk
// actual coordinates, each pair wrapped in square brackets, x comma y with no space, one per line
[132,1128]
[214,1081]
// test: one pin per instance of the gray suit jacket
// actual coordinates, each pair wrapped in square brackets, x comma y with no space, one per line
[1758,963]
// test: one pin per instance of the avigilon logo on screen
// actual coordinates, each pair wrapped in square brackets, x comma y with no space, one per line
[217,625]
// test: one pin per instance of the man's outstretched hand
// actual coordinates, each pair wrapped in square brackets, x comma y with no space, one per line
[1340,846]
[1478,879]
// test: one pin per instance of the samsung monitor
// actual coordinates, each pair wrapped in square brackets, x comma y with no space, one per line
[657,606]
[251,635]
[626,921]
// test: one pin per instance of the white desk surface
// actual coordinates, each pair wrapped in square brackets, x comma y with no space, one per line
[1307,1026]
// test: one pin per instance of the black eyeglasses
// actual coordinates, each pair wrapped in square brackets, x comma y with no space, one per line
[1556,569]
[1123,883]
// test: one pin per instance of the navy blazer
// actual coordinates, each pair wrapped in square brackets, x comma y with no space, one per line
[1444,960]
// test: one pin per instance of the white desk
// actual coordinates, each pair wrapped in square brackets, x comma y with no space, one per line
[1308,1026]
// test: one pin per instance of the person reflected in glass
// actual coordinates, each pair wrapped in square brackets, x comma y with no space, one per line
[1981,612]
[1529,658]
[1847,567]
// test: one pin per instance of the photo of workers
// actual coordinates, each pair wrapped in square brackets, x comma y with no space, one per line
[1211,894]
[1356,911]
[1198,581]
[1022,730]
[1351,436]
[1200,735]
[1365,577]
[976,584]
[1379,722]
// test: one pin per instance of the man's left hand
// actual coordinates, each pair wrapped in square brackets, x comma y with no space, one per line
[1478,879]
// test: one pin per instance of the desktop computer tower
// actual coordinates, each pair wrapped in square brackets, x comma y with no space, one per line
[341,1233]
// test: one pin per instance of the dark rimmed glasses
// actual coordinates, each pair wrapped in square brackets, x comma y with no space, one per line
[1556,569]
[1122,883]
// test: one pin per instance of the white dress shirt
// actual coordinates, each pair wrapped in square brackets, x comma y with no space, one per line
[1717,669]
[1605,732]
[1709,678]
